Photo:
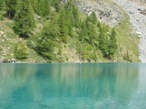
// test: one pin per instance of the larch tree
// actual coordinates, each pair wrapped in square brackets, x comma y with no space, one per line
[63,24]
[103,40]
[93,17]
[112,47]
[43,7]
[47,39]
[24,19]
[11,6]
[1,4]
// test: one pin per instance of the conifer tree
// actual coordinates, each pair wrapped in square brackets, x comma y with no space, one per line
[24,19]
[92,33]
[43,8]
[63,24]
[11,6]
[71,6]
[93,17]
[46,41]
[1,4]
[103,40]
[92,36]
[2,12]
[83,33]
[69,21]
[112,47]
[55,4]
[69,15]
[34,4]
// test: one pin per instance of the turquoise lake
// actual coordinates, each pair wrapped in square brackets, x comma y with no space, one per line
[73,86]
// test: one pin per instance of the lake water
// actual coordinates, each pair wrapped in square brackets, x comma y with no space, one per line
[73,86]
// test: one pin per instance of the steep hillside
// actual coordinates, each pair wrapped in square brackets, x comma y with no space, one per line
[107,11]
[87,30]
[136,9]
[110,13]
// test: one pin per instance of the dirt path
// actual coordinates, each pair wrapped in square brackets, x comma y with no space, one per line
[138,21]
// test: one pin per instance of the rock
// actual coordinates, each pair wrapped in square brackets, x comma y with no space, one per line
[1,33]
[107,13]
[138,33]
[143,11]
[37,17]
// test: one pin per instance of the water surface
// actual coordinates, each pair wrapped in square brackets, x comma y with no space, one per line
[73,86]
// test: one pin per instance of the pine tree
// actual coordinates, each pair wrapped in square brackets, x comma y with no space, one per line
[1,4]
[69,21]
[11,6]
[112,47]
[93,17]
[83,33]
[47,40]
[2,11]
[103,40]
[63,24]
[76,18]
[92,33]
[43,8]
[92,36]
[55,4]
[74,12]
[69,16]
[34,4]
[24,19]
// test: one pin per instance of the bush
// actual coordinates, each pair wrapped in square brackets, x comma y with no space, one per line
[21,51]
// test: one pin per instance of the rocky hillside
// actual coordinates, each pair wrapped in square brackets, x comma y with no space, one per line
[136,9]
[111,13]
[139,1]
[107,12]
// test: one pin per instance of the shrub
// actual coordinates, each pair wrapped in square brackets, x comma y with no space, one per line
[21,51]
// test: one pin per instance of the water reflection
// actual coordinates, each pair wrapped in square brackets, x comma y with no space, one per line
[72,86]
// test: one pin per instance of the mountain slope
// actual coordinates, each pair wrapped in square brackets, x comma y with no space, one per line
[110,13]
[63,33]
[138,21]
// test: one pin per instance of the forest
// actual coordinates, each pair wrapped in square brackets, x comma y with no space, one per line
[52,27]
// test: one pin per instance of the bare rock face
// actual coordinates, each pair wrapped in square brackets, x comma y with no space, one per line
[107,12]
[140,1]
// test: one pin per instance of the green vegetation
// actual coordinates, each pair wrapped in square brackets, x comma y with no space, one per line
[57,31]
[24,19]
[11,6]
[21,51]
[125,34]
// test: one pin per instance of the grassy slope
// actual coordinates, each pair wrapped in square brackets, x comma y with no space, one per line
[8,41]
